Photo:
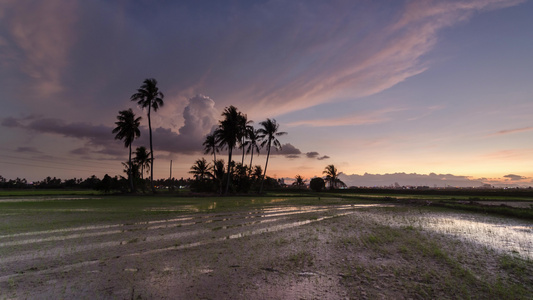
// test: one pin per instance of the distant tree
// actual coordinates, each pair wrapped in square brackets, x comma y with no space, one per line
[268,134]
[218,175]
[210,145]
[200,170]
[332,177]
[142,158]
[257,173]
[317,184]
[148,95]
[252,144]
[127,129]
[244,130]
[299,181]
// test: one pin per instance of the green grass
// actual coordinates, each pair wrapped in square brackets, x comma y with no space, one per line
[22,193]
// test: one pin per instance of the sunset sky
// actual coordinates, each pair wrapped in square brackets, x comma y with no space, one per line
[443,89]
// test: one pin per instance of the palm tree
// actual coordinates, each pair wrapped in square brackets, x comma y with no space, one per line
[244,130]
[142,158]
[128,129]
[227,135]
[268,134]
[148,95]
[218,174]
[200,169]
[252,144]
[210,145]
[299,181]
[332,177]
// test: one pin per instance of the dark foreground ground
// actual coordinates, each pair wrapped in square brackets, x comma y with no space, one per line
[268,252]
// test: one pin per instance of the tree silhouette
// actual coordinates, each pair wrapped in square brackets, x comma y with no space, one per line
[268,134]
[227,135]
[142,158]
[299,181]
[252,144]
[200,170]
[332,177]
[127,129]
[218,174]
[148,95]
[210,146]
[317,184]
[244,131]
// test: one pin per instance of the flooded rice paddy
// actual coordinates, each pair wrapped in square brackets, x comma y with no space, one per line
[42,258]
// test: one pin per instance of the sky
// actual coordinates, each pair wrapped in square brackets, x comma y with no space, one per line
[416,92]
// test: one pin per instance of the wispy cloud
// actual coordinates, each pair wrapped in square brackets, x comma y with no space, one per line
[379,116]
[511,131]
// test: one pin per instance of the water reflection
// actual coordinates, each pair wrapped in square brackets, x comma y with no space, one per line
[502,234]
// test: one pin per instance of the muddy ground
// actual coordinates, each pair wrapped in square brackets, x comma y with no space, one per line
[333,252]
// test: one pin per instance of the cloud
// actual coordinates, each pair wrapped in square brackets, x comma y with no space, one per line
[412,179]
[28,150]
[312,154]
[375,117]
[292,156]
[288,149]
[514,177]
[200,116]
[510,131]
[41,35]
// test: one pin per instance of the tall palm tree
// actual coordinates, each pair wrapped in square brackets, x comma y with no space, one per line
[332,177]
[200,169]
[252,144]
[227,135]
[142,158]
[148,95]
[210,145]
[128,129]
[268,134]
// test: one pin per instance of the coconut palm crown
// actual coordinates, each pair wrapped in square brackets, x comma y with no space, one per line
[127,129]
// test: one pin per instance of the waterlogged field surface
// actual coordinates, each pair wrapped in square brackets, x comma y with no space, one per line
[265,247]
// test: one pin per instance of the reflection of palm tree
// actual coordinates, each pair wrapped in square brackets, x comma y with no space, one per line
[227,135]
[127,129]
[268,133]
[332,177]
[210,145]
[148,95]
[142,158]
[200,169]
[252,144]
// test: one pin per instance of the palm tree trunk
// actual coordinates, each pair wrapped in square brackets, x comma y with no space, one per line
[266,165]
[151,152]
[251,159]
[243,148]
[230,150]
[130,169]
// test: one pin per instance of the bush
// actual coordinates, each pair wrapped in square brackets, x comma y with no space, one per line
[317,184]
